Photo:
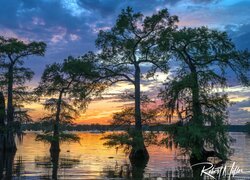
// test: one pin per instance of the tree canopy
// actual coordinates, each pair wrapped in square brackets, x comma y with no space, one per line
[193,95]
[12,79]
[13,75]
[132,42]
[68,87]
[129,44]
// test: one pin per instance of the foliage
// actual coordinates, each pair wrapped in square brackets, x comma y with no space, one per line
[77,81]
[70,86]
[76,77]
[130,138]
[130,44]
[192,95]
[132,41]
[126,117]
[13,75]
[67,113]
[48,137]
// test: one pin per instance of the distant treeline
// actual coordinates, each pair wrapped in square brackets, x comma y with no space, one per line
[38,126]
[239,128]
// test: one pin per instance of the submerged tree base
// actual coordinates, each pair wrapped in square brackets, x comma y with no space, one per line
[10,144]
[2,142]
[7,143]
[139,163]
[6,164]
[54,155]
[204,157]
[139,155]
[55,147]
[132,142]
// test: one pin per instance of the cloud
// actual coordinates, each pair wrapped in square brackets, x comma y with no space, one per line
[70,27]
[38,21]
[74,37]
[239,112]
[216,15]
[84,18]
[59,36]
[240,34]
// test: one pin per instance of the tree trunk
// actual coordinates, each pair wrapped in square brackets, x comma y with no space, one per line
[138,168]
[2,156]
[55,147]
[9,156]
[10,143]
[138,125]
[2,142]
[195,160]
[2,111]
[10,139]
[197,112]
[6,164]
[2,122]
[10,109]
[139,150]
[205,155]
[55,160]
[139,153]
[197,119]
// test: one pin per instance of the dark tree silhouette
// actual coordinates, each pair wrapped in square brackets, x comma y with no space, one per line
[131,43]
[72,84]
[204,56]
[14,75]
[127,139]
[2,122]
[55,164]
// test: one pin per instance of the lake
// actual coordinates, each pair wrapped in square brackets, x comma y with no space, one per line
[89,159]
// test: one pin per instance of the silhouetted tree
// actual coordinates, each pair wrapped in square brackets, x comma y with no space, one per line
[125,119]
[204,56]
[131,43]
[71,85]
[55,164]
[14,75]
[129,140]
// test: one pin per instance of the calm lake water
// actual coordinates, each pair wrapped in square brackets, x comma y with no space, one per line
[91,160]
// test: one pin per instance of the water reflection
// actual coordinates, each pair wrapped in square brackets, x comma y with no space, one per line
[91,160]
[138,168]
[54,159]
[139,172]
[6,165]
[55,163]
[133,170]
[19,166]
[116,171]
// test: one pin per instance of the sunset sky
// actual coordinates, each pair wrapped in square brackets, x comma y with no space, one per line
[70,27]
